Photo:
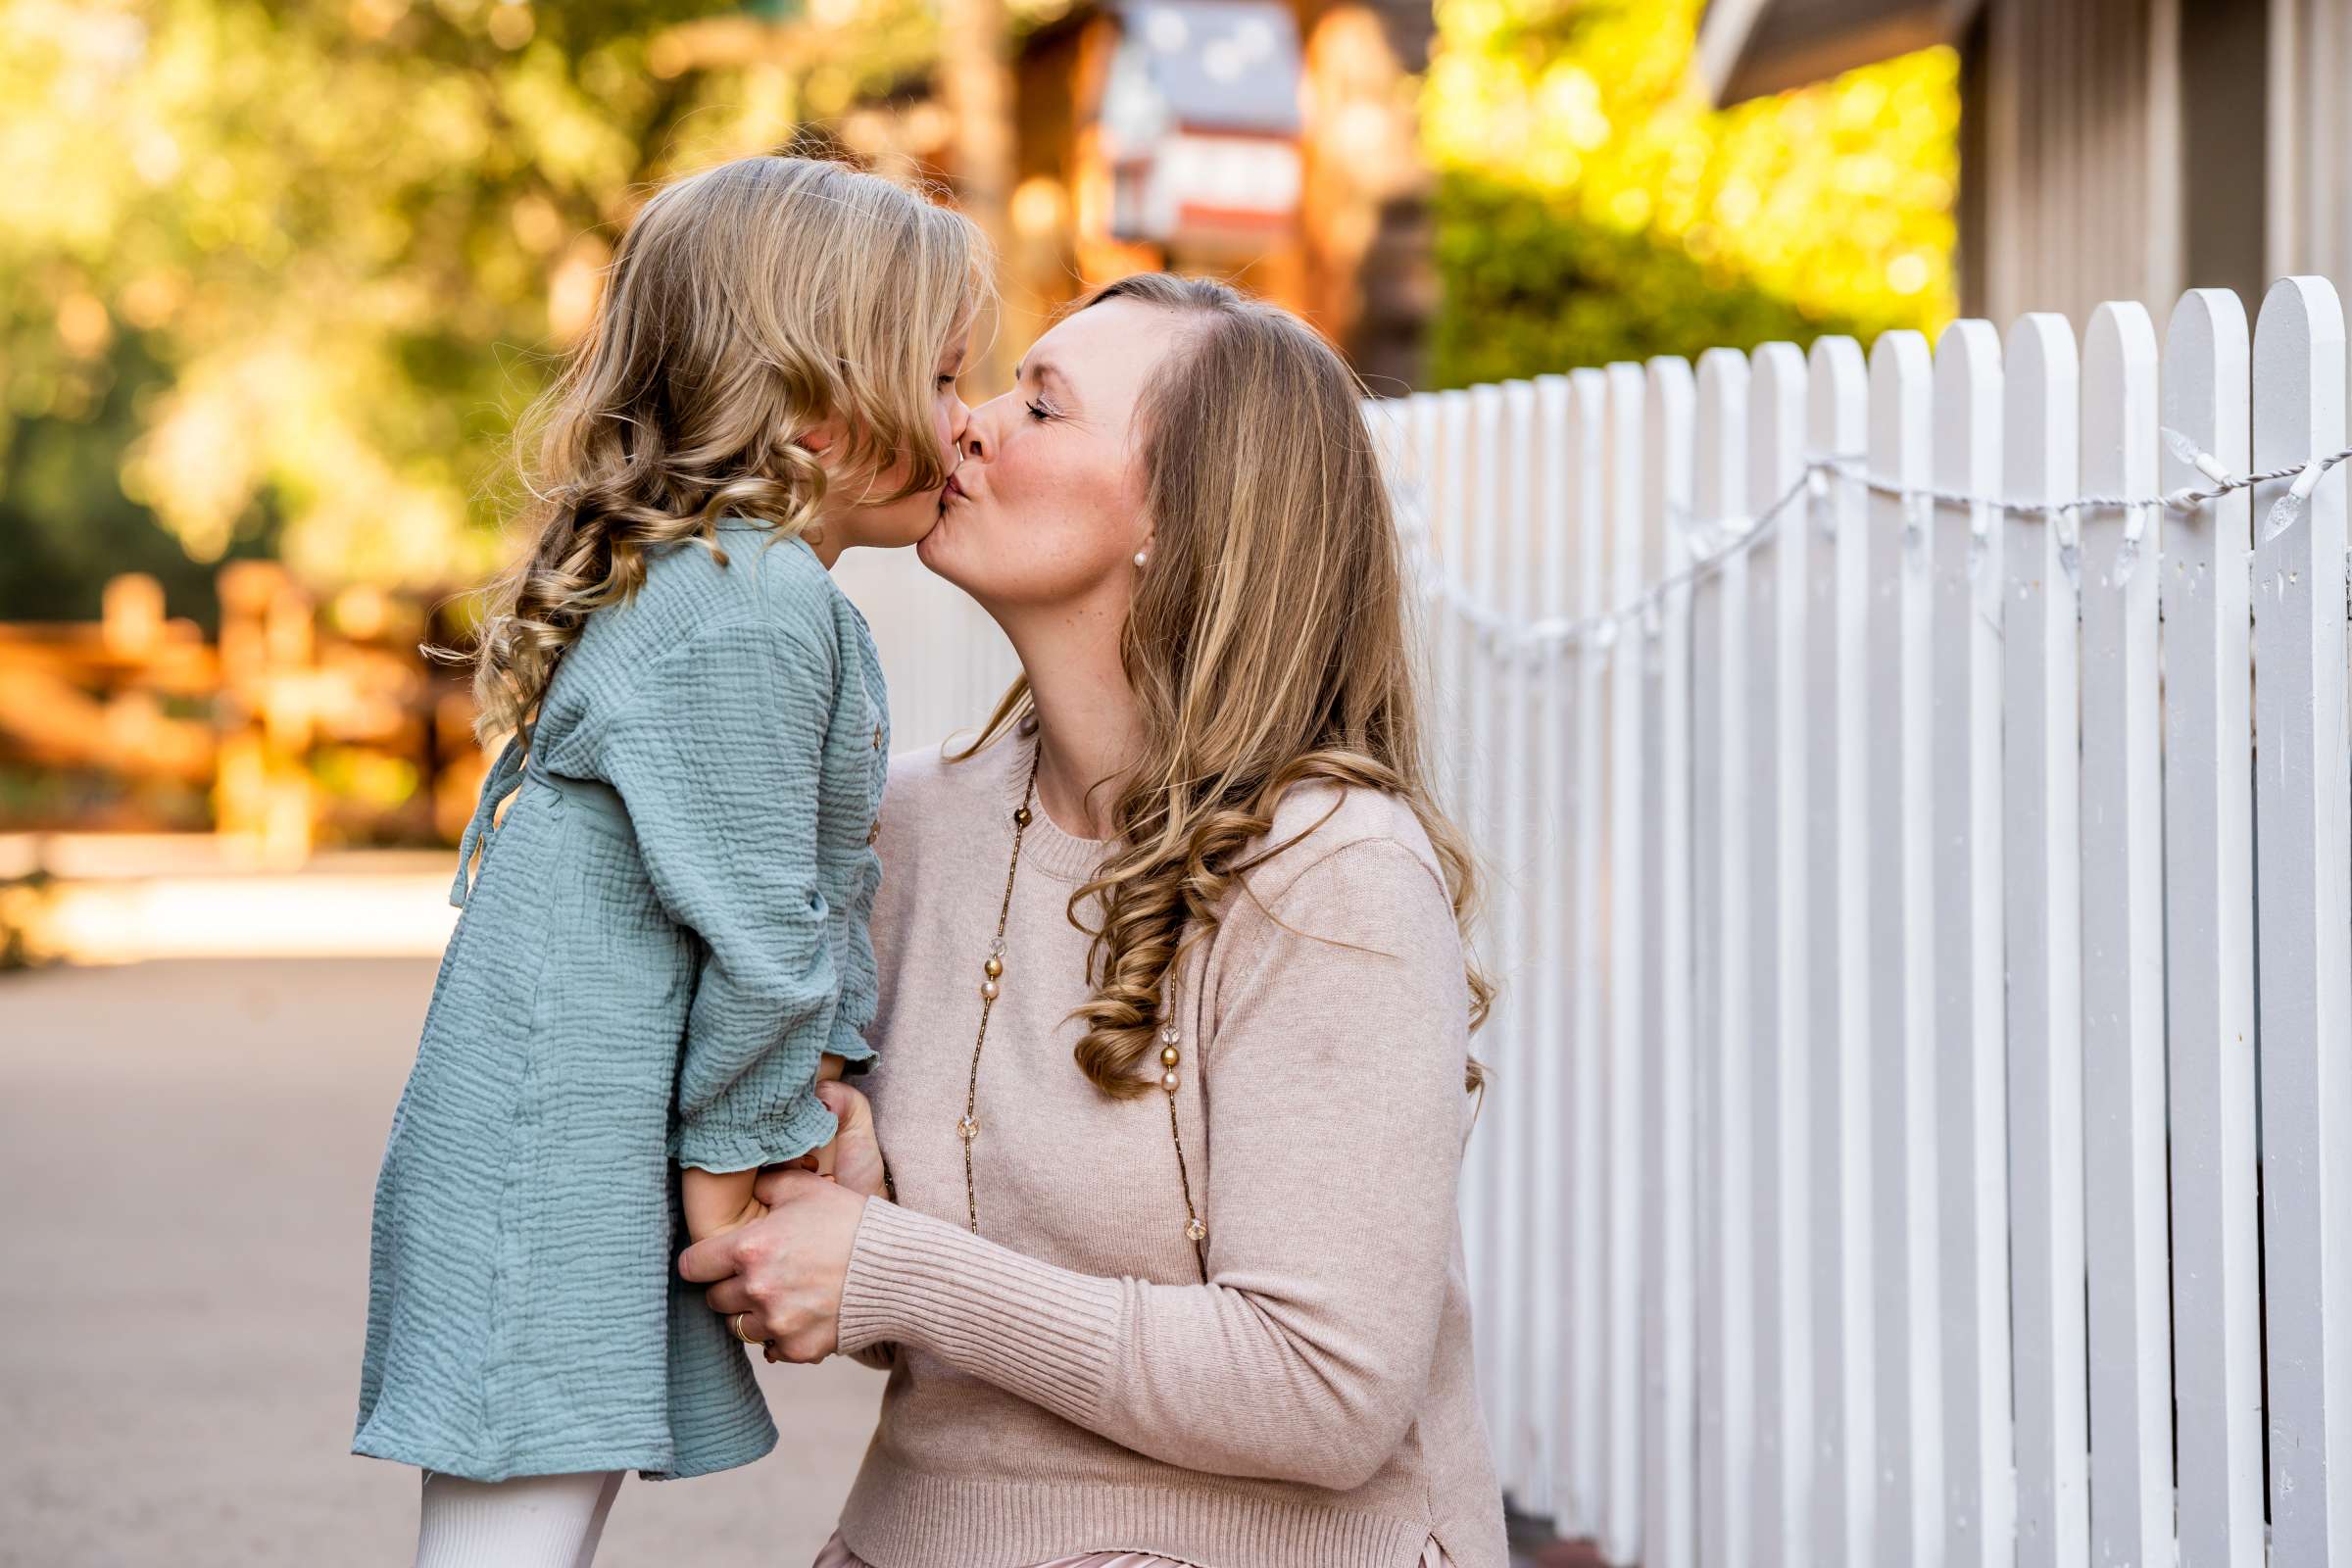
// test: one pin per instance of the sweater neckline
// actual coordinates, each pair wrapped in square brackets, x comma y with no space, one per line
[1046,846]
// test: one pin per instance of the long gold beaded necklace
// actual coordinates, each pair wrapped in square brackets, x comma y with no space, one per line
[991,986]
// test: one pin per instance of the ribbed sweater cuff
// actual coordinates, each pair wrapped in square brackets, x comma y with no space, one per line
[1046,1334]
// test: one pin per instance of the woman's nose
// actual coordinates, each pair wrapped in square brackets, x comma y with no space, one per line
[972,441]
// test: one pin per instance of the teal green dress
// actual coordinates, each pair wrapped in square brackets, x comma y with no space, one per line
[667,928]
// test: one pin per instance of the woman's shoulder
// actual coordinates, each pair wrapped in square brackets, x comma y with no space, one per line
[1371,840]
[1347,869]
[937,784]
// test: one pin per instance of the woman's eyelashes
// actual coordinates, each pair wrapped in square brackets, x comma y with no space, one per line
[1038,412]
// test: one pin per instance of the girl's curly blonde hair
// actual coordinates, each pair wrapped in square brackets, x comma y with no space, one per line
[1267,646]
[747,305]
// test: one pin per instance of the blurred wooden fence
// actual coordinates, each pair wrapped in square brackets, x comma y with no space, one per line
[1922,1128]
[307,723]
[296,723]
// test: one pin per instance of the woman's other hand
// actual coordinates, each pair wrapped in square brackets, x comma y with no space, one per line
[854,1156]
[857,1149]
[786,1270]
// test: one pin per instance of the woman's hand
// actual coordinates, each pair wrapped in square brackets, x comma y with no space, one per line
[786,1270]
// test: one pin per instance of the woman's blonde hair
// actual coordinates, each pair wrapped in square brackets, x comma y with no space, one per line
[746,304]
[1267,646]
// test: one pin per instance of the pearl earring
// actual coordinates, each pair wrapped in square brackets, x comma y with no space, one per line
[1140,557]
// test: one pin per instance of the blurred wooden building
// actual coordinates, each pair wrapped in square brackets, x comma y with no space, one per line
[1272,143]
[1275,143]
[2110,149]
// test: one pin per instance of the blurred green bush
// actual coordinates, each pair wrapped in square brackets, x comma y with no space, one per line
[276,278]
[1592,204]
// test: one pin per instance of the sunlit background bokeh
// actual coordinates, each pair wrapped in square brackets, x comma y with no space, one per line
[277,280]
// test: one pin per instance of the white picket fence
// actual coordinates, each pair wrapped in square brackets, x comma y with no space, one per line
[943,660]
[1910,1062]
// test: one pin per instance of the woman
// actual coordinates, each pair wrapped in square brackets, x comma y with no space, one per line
[1172,1268]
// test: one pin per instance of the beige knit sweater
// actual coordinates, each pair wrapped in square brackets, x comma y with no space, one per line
[1064,1382]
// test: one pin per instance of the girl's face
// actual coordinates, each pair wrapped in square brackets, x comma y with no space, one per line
[849,520]
[1047,508]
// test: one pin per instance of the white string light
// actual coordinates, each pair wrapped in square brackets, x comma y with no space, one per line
[1710,543]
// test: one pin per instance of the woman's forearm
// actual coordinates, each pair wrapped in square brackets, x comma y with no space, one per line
[1229,1384]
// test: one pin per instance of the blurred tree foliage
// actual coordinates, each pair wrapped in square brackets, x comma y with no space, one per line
[277,278]
[1590,205]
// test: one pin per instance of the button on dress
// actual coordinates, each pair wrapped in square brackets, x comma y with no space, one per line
[666,930]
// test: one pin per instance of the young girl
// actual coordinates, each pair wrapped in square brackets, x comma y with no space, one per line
[664,946]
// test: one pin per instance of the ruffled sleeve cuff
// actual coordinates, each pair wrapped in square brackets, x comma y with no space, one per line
[796,1126]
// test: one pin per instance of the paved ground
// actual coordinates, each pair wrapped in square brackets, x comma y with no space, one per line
[186,1154]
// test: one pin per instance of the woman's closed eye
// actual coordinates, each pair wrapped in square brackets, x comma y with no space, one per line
[1038,412]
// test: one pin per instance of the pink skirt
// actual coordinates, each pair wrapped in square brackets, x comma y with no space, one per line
[836,1555]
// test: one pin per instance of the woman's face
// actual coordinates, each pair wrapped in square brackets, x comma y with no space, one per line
[849,520]
[1047,508]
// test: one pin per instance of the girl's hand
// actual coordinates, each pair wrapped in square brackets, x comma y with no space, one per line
[718,1201]
[785,1271]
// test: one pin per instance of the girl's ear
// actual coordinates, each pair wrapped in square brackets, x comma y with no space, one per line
[821,439]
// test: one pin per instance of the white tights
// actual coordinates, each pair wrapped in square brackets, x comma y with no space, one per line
[528,1522]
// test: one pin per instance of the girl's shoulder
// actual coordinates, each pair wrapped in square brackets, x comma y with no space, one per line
[701,598]
[748,573]
[695,616]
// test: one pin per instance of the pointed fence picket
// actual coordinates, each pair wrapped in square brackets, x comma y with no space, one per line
[2209,945]
[1971,1082]
[2043,847]
[1506,427]
[1583,1433]
[1553,933]
[1845,1524]
[1870,751]
[1909,1305]
[1629,811]
[1726,1356]
[1669,1470]
[2303,919]
[2122,934]
[1778,1029]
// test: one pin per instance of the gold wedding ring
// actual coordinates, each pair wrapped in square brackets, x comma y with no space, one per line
[736,1323]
